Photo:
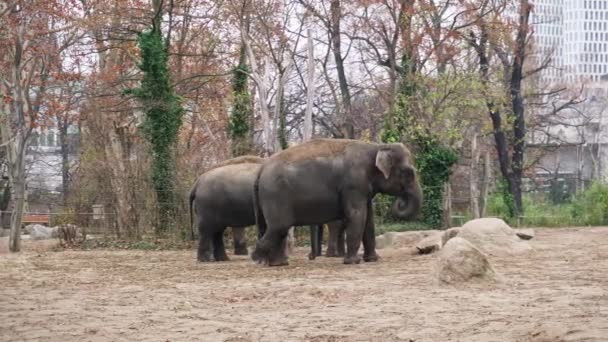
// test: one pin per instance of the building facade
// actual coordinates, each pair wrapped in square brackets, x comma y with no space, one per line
[575,34]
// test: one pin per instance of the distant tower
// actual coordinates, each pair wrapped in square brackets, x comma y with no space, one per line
[577,33]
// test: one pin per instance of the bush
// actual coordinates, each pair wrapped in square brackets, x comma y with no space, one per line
[591,206]
[587,208]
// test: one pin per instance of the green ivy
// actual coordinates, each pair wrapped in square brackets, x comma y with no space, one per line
[434,163]
[242,113]
[507,197]
[163,119]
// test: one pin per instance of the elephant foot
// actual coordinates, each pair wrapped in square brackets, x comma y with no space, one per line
[352,260]
[371,258]
[260,255]
[278,262]
[223,257]
[204,258]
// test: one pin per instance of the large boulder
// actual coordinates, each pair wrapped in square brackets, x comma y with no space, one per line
[40,232]
[493,237]
[459,261]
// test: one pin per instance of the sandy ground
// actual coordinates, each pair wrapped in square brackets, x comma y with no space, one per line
[558,292]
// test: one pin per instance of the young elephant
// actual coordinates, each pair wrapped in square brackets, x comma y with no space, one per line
[332,179]
[220,198]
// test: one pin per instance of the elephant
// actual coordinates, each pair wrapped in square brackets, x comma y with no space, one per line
[324,180]
[221,197]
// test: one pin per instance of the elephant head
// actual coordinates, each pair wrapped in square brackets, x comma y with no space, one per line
[397,177]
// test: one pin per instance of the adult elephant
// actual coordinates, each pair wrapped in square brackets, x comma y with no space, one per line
[331,179]
[223,197]
[220,198]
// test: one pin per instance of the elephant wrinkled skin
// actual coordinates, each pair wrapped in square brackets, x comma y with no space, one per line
[223,197]
[324,180]
[220,198]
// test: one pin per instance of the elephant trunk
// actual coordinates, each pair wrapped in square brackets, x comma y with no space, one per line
[408,206]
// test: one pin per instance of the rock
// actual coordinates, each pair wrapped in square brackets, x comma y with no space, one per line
[525,234]
[459,261]
[493,237]
[40,232]
[406,239]
[448,234]
[430,244]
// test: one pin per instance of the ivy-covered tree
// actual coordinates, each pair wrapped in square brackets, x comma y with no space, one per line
[242,112]
[163,119]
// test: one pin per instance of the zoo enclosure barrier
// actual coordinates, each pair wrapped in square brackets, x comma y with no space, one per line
[93,222]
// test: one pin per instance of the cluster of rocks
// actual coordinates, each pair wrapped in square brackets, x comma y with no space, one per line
[463,251]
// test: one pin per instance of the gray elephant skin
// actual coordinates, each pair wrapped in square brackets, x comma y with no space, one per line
[324,180]
[223,197]
[220,198]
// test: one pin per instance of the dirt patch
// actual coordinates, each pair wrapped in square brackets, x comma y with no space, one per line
[168,296]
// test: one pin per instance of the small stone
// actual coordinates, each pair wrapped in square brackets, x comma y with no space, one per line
[525,234]
[429,244]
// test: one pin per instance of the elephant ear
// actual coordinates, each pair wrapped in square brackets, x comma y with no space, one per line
[384,162]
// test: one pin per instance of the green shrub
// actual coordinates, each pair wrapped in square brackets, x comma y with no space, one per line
[591,206]
[587,208]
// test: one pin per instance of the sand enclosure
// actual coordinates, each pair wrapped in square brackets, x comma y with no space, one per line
[556,292]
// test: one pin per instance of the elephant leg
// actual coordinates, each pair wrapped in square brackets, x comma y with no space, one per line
[341,250]
[356,215]
[369,236]
[335,244]
[332,242]
[240,242]
[316,236]
[219,251]
[271,247]
[205,237]
[320,228]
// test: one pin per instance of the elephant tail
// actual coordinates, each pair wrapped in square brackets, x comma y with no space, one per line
[191,200]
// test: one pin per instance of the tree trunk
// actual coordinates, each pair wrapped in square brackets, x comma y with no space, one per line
[65,161]
[447,205]
[473,178]
[485,184]
[126,216]
[19,204]
[262,86]
[517,102]
[347,125]
[310,91]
